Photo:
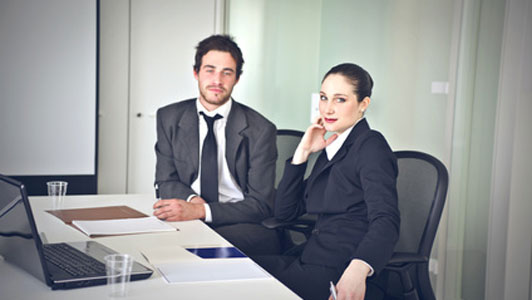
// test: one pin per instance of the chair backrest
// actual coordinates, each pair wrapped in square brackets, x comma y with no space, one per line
[287,141]
[422,188]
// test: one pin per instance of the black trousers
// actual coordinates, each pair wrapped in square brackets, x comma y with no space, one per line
[251,238]
[309,281]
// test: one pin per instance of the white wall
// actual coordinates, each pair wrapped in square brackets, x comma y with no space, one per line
[48,87]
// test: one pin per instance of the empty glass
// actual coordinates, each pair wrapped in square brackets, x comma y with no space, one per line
[118,267]
[57,191]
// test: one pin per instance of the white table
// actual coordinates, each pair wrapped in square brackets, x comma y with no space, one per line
[17,284]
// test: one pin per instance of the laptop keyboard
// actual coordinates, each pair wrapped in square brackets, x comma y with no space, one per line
[72,261]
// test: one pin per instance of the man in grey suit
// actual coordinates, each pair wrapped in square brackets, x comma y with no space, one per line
[216,157]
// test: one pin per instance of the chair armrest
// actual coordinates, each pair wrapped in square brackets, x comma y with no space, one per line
[273,223]
[305,220]
[402,259]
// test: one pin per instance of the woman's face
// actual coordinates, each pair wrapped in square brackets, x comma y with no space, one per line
[339,106]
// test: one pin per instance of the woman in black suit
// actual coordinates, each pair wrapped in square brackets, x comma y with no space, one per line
[352,189]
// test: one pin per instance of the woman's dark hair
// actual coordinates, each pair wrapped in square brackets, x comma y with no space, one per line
[222,43]
[359,78]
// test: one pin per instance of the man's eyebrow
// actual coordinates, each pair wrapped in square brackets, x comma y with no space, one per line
[214,67]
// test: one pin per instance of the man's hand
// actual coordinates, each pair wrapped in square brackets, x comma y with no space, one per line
[178,210]
[197,199]
[352,284]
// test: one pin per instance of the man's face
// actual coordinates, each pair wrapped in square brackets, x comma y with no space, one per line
[216,78]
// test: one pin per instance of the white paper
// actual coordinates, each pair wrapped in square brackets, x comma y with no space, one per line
[167,254]
[211,270]
[122,226]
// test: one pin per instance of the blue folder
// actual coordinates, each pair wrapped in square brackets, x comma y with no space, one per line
[217,252]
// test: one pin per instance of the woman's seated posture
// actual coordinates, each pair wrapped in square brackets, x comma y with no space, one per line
[352,189]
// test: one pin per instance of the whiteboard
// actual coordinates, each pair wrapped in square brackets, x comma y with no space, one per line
[48,84]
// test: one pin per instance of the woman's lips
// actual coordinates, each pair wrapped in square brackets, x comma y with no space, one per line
[327,120]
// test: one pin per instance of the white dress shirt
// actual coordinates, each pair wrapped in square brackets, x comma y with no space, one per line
[333,148]
[228,189]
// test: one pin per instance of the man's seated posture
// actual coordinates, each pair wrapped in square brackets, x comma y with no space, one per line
[216,157]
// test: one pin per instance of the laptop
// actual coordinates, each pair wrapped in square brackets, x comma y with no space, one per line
[59,265]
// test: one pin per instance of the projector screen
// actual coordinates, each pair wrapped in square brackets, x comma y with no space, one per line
[48,87]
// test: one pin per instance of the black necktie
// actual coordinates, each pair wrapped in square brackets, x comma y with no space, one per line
[209,162]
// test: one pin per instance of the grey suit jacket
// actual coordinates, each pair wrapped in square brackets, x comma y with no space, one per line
[251,153]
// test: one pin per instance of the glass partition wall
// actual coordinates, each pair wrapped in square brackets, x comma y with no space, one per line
[435,67]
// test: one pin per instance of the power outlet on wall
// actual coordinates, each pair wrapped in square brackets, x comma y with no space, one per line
[440,87]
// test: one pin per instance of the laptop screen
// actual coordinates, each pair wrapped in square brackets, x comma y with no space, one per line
[19,241]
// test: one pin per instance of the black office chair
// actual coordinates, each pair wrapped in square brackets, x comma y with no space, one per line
[292,234]
[422,188]
[287,141]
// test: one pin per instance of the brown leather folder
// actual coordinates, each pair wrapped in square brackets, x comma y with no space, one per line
[96,213]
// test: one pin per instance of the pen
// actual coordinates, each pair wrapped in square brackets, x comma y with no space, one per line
[157,195]
[158,198]
[333,290]
[145,257]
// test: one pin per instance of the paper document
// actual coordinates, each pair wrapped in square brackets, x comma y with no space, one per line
[122,226]
[211,270]
[167,254]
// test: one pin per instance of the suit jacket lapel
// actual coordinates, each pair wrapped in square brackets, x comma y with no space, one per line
[189,128]
[236,123]
[323,163]
[354,135]
[318,167]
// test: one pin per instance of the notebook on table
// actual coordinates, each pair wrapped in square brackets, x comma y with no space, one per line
[96,213]
[59,265]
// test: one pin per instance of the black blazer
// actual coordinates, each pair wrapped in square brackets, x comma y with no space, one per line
[355,198]
[251,153]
